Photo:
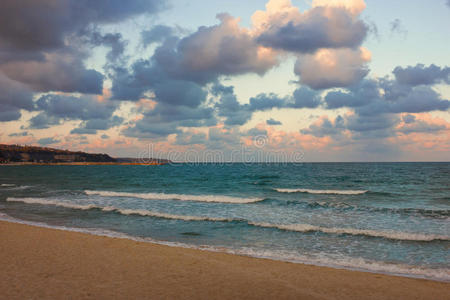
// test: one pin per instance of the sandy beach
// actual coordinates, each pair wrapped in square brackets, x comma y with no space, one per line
[40,263]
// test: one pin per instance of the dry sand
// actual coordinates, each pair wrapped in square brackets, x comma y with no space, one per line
[39,263]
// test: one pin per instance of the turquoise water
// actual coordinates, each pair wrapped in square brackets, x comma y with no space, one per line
[381,217]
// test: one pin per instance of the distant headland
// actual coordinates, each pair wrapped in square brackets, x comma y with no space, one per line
[32,155]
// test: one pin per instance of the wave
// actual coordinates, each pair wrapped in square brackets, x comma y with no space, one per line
[305,228]
[126,212]
[432,213]
[310,191]
[392,235]
[349,263]
[181,197]
[7,185]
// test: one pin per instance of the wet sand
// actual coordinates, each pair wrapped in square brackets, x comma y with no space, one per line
[41,263]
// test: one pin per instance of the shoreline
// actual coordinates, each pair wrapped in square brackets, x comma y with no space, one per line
[27,251]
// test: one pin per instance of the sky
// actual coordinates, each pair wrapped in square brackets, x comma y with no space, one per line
[256,80]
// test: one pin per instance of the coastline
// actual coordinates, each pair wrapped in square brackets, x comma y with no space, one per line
[83,164]
[49,264]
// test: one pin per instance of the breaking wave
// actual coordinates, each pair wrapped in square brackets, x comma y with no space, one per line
[359,264]
[122,211]
[305,228]
[310,191]
[181,197]
[392,235]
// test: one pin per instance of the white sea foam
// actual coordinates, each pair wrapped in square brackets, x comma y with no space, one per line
[341,262]
[127,212]
[392,235]
[7,185]
[181,197]
[310,191]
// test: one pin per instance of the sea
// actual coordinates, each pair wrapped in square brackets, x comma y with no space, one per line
[390,218]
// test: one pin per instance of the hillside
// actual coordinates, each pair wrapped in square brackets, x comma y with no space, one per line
[31,154]
[17,154]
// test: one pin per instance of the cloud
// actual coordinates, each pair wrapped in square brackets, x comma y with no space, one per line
[325,127]
[421,126]
[304,97]
[327,26]
[422,75]
[48,141]
[42,25]
[43,43]
[158,33]
[59,71]
[359,95]
[210,52]
[229,107]
[112,40]
[19,134]
[264,102]
[14,96]
[397,27]
[91,126]
[383,95]
[186,138]
[43,121]
[57,108]
[164,120]
[333,68]
[71,107]
[273,122]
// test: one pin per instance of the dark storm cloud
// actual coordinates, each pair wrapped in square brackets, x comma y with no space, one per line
[422,75]
[8,113]
[273,122]
[42,25]
[14,96]
[43,42]
[332,27]
[61,71]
